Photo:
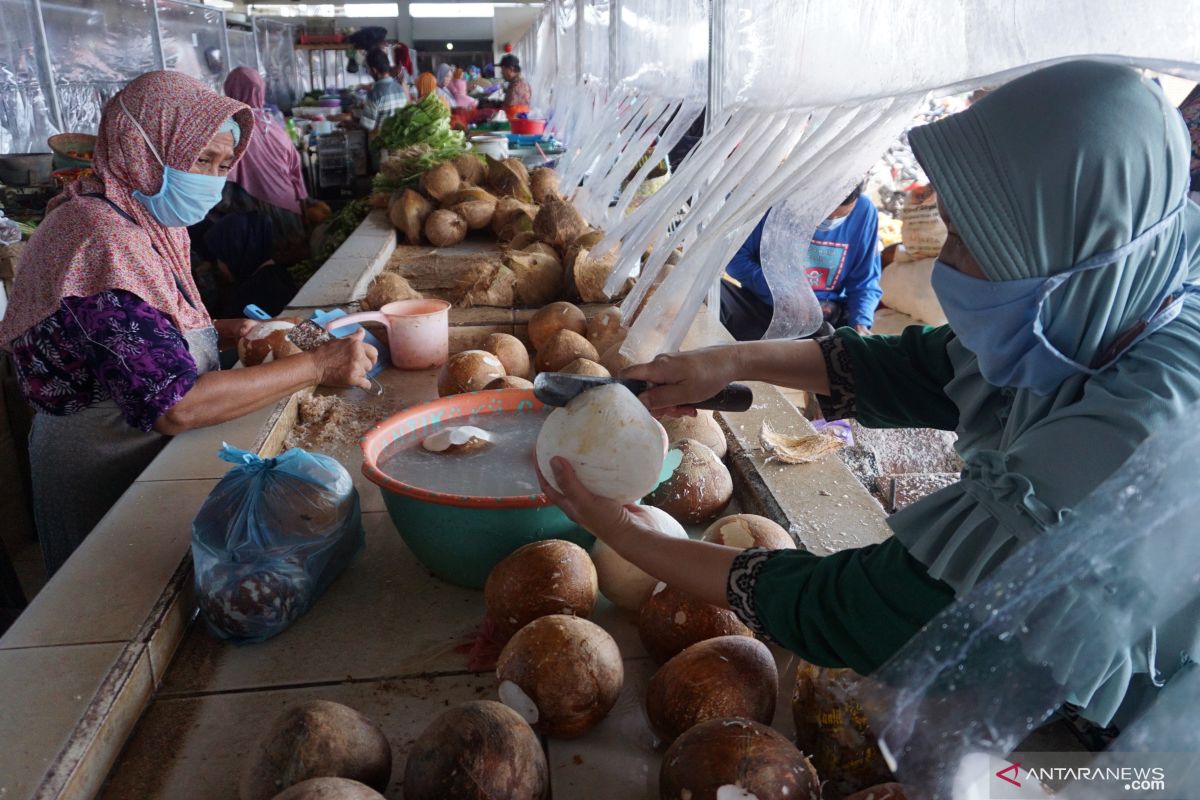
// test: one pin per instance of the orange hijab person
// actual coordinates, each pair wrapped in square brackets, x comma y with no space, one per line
[427,84]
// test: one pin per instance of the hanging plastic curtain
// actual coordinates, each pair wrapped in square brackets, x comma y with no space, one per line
[95,49]
[25,118]
[193,41]
[241,49]
[804,115]
[1064,616]
[277,52]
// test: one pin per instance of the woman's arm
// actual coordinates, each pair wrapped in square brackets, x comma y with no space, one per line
[230,331]
[219,397]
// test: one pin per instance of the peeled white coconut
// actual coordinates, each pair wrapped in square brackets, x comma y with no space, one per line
[608,436]
[466,437]
[627,586]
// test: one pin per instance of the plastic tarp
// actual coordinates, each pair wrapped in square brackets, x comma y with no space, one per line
[277,53]
[26,120]
[193,42]
[96,47]
[241,49]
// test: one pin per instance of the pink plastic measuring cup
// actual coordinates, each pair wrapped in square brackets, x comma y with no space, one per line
[418,331]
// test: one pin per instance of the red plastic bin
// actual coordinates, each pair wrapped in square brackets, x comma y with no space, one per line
[527,127]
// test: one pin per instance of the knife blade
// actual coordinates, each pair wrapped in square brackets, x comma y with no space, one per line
[560,388]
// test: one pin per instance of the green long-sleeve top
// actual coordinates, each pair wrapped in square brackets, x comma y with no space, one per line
[858,607]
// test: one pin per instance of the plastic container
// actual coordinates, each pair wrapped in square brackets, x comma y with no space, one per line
[63,144]
[418,331]
[495,146]
[461,538]
[525,127]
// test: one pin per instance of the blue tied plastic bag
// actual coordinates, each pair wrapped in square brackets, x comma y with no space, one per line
[270,537]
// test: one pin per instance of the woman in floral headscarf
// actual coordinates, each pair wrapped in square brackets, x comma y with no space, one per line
[111,344]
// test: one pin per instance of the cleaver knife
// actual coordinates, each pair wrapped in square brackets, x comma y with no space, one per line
[560,388]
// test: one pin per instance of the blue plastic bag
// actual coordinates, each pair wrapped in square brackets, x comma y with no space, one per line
[270,537]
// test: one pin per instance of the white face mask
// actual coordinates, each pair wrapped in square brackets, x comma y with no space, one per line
[832,224]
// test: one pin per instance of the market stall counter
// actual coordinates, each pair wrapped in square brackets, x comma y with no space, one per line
[119,691]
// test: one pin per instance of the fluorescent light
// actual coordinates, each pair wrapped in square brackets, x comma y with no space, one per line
[372,9]
[222,4]
[449,45]
[454,10]
[358,10]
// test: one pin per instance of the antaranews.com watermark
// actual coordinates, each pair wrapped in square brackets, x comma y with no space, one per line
[1112,776]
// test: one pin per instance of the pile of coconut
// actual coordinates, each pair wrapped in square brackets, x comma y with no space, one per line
[548,244]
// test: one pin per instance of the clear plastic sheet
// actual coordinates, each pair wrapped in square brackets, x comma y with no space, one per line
[25,117]
[277,53]
[241,49]
[1053,623]
[192,41]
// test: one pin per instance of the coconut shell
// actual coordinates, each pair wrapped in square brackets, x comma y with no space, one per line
[700,487]
[550,319]
[753,760]
[477,213]
[559,224]
[266,342]
[509,178]
[541,578]
[561,349]
[441,181]
[613,359]
[543,184]
[561,673]
[329,789]
[488,284]
[589,274]
[388,287]
[539,277]
[470,169]
[584,366]
[511,352]
[722,678]
[539,247]
[408,213]
[468,371]
[469,194]
[481,750]
[744,531]
[671,621]
[445,228]
[378,200]
[509,382]
[523,240]
[604,329]
[703,428]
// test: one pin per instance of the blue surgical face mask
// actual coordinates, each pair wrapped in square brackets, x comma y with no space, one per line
[1000,321]
[832,224]
[185,198]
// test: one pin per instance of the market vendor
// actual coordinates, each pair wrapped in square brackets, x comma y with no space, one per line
[386,96]
[111,344]
[843,269]
[518,97]
[1067,277]
[268,180]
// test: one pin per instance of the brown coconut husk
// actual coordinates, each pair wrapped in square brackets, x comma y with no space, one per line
[470,168]
[507,210]
[388,287]
[524,240]
[408,211]
[559,224]
[477,213]
[445,228]
[509,178]
[539,247]
[539,277]
[488,284]
[543,184]
[441,181]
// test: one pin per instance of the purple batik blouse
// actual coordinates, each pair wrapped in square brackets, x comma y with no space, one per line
[109,345]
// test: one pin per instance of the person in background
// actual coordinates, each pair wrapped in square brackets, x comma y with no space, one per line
[386,96]
[445,72]
[516,91]
[268,180]
[427,85]
[843,269]
[402,58]
[458,92]
[1190,109]
[110,341]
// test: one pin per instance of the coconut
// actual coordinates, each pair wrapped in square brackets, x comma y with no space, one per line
[460,439]
[468,371]
[511,352]
[509,382]
[703,428]
[728,759]
[613,359]
[378,199]
[589,274]
[474,205]
[317,739]
[481,750]
[521,222]
[388,287]
[550,319]
[627,586]
[539,277]
[539,247]
[542,578]
[441,181]
[470,169]
[561,673]
[468,195]
[558,223]
[832,727]
[563,348]
[408,213]
[508,211]
[265,342]
[488,284]
[729,676]
[523,240]
[509,178]
[329,789]
[604,329]
[608,436]
[671,620]
[445,228]
[699,488]
[543,184]
[584,366]
[744,531]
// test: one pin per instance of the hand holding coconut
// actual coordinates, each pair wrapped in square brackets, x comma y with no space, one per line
[344,362]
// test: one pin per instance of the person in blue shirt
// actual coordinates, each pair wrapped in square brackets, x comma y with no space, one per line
[843,271]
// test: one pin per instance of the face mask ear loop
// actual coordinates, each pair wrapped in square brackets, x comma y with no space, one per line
[145,138]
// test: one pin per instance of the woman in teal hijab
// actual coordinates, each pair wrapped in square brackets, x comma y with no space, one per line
[1074,334]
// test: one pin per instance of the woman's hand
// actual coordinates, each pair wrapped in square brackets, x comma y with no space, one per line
[599,515]
[231,331]
[345,362]
[684,378]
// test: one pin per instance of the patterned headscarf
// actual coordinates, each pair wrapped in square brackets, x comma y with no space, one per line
[83,247]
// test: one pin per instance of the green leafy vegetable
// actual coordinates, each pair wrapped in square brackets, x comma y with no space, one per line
[419,138]
[340,227]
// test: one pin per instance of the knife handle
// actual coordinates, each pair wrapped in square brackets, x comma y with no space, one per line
[734,397]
